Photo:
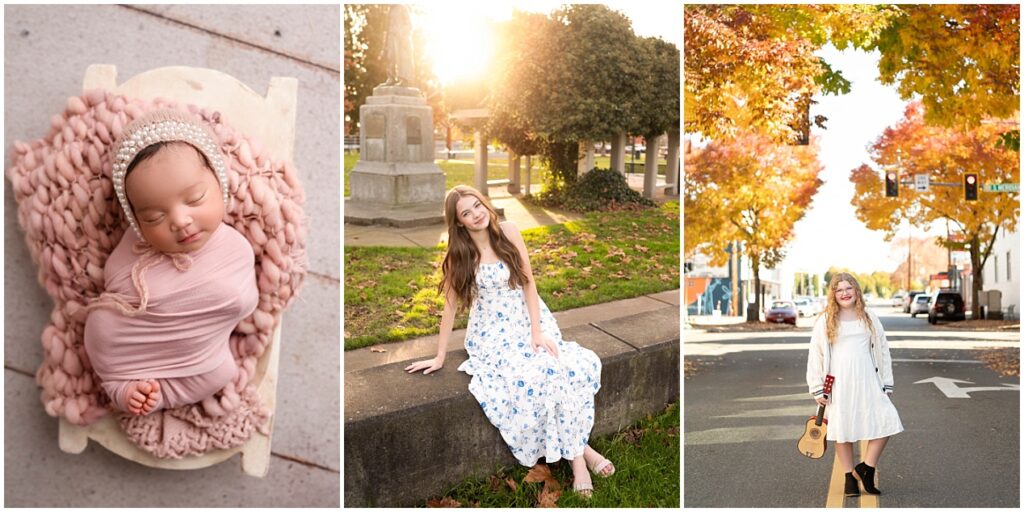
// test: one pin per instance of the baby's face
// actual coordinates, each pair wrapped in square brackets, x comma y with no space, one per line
[176,199]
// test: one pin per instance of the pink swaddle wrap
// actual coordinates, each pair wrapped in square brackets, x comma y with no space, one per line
[181,335]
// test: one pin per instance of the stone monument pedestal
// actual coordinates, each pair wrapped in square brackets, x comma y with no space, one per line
[396,181]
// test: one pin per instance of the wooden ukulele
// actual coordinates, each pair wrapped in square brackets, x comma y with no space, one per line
[813,444]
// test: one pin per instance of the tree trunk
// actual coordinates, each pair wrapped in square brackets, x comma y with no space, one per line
[755,314]
[977,278]
[448,140]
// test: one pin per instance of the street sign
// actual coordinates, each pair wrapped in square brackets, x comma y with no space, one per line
[1002,187]
[921,182]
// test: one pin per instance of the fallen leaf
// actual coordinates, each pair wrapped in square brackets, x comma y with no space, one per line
[542,473]
[538,473]
[445,502]
[495,483]
[548,497]
[511,483]
[633,436]
[377,349]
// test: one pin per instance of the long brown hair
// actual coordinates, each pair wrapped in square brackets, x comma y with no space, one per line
[460,262]
[832,306]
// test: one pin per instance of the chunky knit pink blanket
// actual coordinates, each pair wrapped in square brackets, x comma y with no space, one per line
[72,222]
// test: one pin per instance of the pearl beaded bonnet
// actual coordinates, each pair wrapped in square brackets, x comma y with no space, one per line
[157,126]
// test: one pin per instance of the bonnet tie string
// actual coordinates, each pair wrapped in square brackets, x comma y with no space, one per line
[148,257]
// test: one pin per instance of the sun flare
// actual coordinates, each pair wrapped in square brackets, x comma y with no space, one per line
[459,41]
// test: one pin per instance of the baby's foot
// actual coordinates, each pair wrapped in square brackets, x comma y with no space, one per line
[143,396]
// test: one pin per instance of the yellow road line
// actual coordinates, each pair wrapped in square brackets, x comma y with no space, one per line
[836,485]
[867,500]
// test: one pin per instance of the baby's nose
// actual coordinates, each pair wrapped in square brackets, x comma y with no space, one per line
[181,220]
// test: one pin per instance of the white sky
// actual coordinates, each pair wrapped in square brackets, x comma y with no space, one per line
[830,234]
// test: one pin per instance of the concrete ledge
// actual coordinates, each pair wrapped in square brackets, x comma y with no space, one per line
[409,437]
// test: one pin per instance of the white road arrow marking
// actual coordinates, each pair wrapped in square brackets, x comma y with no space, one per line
[949,388]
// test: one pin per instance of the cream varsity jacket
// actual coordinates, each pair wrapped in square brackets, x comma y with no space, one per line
[819,358]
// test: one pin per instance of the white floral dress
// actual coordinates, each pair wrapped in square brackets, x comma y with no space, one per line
[544,407]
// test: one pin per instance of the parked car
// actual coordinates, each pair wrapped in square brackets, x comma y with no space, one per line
[781,311]
[908,299]
[947,305]
[920,304]
[804,307]
[897,299]
[819,304]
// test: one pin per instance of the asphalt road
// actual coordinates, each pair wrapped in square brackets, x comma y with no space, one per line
[746,407]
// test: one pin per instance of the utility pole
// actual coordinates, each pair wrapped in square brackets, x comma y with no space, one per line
[909,260]
[949,248]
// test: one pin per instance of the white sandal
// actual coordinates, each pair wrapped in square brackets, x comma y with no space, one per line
[585,490]
[599,467]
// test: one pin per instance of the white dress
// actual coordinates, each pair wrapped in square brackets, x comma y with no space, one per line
[543,407]
[859,409]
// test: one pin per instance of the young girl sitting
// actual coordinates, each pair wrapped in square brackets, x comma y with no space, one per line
[179,281]
[536,388]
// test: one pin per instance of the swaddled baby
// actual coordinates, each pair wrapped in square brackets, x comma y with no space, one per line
[179,281]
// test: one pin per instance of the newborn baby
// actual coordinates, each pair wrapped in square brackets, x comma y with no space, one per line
[179,281]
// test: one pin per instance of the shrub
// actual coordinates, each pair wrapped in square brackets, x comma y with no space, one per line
[599,189]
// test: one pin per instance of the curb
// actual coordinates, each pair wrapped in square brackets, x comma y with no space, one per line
[410,437]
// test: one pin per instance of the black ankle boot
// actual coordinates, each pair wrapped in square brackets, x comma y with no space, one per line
[866,475]
[851,486]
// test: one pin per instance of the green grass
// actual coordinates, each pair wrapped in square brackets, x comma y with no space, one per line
[391,293]
[461,172]
[646,458]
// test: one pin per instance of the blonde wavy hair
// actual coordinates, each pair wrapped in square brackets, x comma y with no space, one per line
[832,306]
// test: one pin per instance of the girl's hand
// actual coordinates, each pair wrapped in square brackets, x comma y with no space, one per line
[428,366]
[821,400]
[543,341]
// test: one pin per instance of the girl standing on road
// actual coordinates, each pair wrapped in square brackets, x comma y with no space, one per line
[848,342]
[536,388]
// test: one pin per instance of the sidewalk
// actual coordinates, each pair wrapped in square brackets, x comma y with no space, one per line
[409,437]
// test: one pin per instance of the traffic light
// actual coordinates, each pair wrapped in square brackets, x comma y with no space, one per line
[892,184]
[971,187]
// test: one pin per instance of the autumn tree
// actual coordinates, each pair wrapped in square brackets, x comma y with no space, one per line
[753,66]
[579,74]
[945,155]
[961,60]
[751,190]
